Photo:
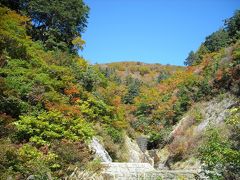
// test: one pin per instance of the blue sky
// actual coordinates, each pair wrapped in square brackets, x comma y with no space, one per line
[151,31]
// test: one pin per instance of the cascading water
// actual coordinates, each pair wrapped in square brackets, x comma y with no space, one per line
[100,151]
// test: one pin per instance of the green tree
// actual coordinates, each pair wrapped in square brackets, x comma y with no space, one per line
[217,40]
[162,75]
[190,59]
[133,90]
[221,159]
[233,26]
[195,58]
[48,126]
[57,23]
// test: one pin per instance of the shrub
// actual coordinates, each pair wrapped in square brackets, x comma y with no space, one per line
[142,124]
[143,109]
[71,154]
[158,139]
[115,134]
[23,162]
[162,76]
[197,115]
[8,158]
[221,160]
[13,106]
[6,125]
[34,162]
[95,109]
[47,126]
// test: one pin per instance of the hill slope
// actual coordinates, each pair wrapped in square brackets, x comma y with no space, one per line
[147,73]
[52,104]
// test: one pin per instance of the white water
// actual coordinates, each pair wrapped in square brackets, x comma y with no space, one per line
[100,151]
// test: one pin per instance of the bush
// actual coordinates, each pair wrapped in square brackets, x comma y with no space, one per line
[91,78]
[197,115]
[8,158]
[33,162]
[71,154]
[47,126]
[142,124]
[95,109]
[23,162]
[143,109]
[115,134]
[6,125]
[158,139]
[13,106]
[220,158]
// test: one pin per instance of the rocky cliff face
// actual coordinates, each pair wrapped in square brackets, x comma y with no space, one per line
[138,153]
[100,151]
[187,134]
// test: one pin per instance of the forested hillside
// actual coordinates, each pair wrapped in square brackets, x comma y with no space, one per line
[53,102]
[147,73]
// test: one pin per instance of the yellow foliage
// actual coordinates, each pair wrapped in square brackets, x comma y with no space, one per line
[78,42]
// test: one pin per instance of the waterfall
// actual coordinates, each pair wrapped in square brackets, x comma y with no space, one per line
[100,151]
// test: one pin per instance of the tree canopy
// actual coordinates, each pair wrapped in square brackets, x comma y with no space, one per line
[217,40]
[57,23]
[190,59]
[233,26]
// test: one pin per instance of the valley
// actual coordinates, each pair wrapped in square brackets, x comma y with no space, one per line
[62,117]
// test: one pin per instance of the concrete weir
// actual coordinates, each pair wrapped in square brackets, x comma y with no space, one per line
[133,171]
[143,171]
[125,170]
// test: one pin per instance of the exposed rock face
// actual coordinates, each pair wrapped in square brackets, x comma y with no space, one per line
[163,155]
[142,143]
[188,132]
[100,151]
[136,155]
[214,112]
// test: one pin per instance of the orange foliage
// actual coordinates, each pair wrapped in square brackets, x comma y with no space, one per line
[71,90]
[219,74]
[64,108]
[117,101]
[170,84]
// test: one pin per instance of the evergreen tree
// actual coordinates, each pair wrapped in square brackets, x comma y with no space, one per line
[217,40]
[133,90]
[233,26]
[190,59]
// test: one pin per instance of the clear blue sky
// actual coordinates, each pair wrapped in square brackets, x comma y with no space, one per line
[151,31]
